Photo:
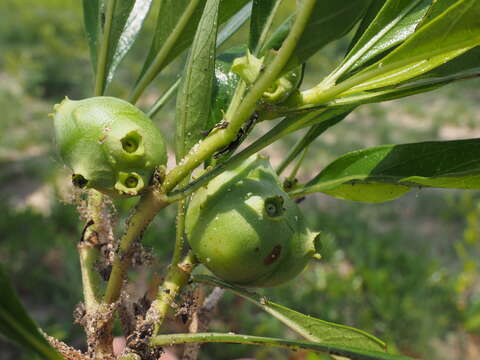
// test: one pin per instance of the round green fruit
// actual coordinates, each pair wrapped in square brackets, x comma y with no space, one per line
[109,144]
[246,230]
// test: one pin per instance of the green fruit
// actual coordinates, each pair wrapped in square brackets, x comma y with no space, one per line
[245,229]
[109,144]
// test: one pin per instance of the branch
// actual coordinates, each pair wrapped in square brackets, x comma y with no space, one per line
[236,117]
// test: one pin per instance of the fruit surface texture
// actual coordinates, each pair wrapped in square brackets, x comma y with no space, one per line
[109,144]
[246,230]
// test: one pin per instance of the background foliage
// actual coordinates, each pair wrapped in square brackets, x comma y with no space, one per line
[406,271]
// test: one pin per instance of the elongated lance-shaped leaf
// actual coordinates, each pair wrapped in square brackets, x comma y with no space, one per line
[437,7]
[330,20]
[263,12]
[230,27]
[309,327]
[370,14]
[313,133]
[93,27]
[444,38]
[386,172]
[126,32]
[168,19]
[343,352]
[17,326]
[395,22]
[194,96]
[464,67]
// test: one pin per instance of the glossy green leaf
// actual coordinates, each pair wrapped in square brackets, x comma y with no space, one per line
[194,96]
[386,172]
[444,38]
[464,67]
[330,20]
[170,12]
[437,7]
[224,85]
[126,31]
[17,326]
[263,12]
[91,19]
[370,14]
[309,327]
[123,20]
[341,352]
[395,22]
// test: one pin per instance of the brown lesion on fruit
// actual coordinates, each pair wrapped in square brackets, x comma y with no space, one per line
[273,256]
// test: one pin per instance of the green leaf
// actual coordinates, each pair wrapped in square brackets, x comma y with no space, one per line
[91,19]
[437,7]
[332,349]
[330,20]
[395,22]
[194,96]
[263,12]
[367,19]
[309,327]
[16,325]
[447,36]
[123,21]
[386,172]
[128,23]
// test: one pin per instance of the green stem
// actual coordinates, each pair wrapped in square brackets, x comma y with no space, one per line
[89,252]
[103,54]
[176,278]
[164,99]
[294,172]
[285,127]
[159,60]
[237,116]
[332,349]
[177,251]
[149,205]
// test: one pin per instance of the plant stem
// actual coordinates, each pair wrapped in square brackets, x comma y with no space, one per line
[145,211]
[180,222]
[294,172]
[238,115]
[89,252]
[285,127]
[164,99]
[103,55]
[164,51]
[175,279]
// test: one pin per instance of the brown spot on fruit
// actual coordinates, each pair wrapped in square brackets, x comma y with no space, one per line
[273,256]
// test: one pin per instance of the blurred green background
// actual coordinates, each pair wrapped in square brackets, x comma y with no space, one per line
[407,271]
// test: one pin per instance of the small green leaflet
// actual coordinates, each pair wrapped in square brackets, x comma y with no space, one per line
[386,172]
[17,326]
[309,327]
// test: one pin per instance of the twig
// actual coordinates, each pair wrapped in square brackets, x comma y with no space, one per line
[201,320]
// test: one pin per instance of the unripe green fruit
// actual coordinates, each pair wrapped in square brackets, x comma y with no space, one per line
[109,144]
[245,229]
